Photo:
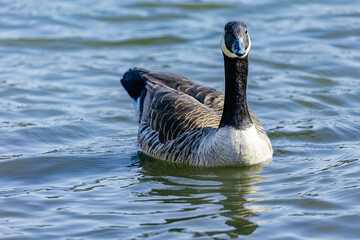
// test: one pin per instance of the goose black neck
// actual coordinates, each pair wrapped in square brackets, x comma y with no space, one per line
[236,113]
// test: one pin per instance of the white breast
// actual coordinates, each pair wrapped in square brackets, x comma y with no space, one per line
[237,147]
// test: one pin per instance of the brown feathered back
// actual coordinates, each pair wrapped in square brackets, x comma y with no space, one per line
[173,105]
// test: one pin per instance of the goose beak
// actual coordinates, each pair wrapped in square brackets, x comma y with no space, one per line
[239,47]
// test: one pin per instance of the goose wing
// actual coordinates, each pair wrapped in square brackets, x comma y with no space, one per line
[208,96]
[173,105]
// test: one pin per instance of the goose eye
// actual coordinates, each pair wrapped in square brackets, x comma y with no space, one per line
[246,32]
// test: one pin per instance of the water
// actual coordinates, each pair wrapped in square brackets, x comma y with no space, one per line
[69,167]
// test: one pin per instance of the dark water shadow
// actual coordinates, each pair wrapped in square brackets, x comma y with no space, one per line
[227,188]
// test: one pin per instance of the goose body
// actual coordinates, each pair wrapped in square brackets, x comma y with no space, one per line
[185,122]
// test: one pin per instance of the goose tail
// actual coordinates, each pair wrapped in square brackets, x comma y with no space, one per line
[134,83]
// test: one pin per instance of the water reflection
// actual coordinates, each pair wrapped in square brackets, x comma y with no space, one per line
[220,200]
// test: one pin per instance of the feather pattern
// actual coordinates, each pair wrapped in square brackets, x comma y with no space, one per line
[174,105]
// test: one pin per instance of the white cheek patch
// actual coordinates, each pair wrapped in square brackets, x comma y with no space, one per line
[225,50]
[230,54]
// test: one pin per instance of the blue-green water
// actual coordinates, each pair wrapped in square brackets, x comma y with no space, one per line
[69,167]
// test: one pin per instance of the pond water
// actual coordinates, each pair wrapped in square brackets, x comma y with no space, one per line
[69,162]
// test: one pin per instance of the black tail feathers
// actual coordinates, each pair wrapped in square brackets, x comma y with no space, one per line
[134,82]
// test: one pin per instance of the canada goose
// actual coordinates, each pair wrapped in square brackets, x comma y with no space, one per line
[185,122]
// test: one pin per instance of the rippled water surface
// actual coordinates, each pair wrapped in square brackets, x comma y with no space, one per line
[69,167]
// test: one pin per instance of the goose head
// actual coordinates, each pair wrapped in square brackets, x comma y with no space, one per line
[235,42]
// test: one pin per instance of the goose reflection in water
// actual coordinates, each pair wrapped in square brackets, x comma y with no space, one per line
[192,197]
